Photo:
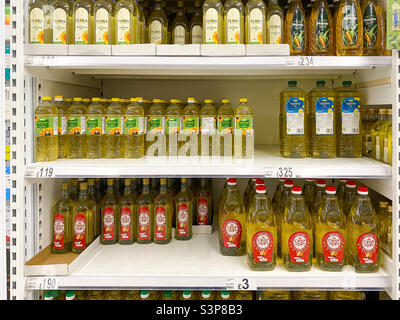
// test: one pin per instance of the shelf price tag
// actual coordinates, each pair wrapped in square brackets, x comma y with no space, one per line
[245,284]
[279,172]
[42,283]
[40,172]
[300,61]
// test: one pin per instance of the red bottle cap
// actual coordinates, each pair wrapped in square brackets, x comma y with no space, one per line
[232,181]
[350,184]
[362,190]
[259,181]
[321,183]
[288,183]
[344,180]
[330,190]
[296,190]
[261,189]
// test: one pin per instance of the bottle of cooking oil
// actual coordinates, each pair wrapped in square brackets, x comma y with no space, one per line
[82,220]
[294,142]
[383,134]
[386,230]
[103,22]
[243,295]
[276,198]
[244,132]
[261,232]
[374,27]
[308,192]
[196,24]
[169,295]
[61,22]
[225,128]
[155,126]
[275,295]
[76,130]
[348,122]
[213,24]
[207,295]
[320,30]
[93,197]
[321,105]
[279,213]
[83,23]
[330,233]
[341,188]
[232,222]
[204,203]
[184,212]
[296,29]
[252,193]
[275,23]
[180,26]
[173,126]
[375,131]
[187,295]
[224,295]
[140,22]
[348,197]
[95,125]
[349,29]
[145,214]
[134,130]
[296,234]
[61,222]
[163,215]
[256,22]
[62,125]
[38,33]
[158,25]
[109,216]
[317,199]
[113,133]
[208,126]
[234,22]
[126,22]
[74,190]
[347,295]
[127,215]
[310,295]
[190,125]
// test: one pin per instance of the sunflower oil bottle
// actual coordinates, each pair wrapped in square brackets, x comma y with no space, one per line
[293,129]
[279,213]
[173,126]
[62,222]
[46,131]
[207,295]
[296,236]
[381,211]
[204,203]
[243,129]
[180,26]
[380,152]
[95,126]
[94,198]
[213,23]
[349,29]
[109,215]
[320,30]
[308,192]
[275,295]
[190,128]
[126,22]
[103,22]
[375,133]
[225,128]
[140,23]
[208,128]
[61,22]
[275,23]
[310,295]
[134,129]
[62,125]
[196,24]
[232,222]
[341,188]
[158,25]
[249,188]
[277,195]
[162,215]
[373,27]
[243,295]
[234,22]
[74,190]
[251,194]
[155,129]
[386,231]
[256,22]
[184,212]
[76,130]
[321,107]
[38,29]
[82,220]
[83,22]
[113,133]
[127,215]
[363,230]
[261,231]
[145,217]
[347,295]
[348,197]
[296,29]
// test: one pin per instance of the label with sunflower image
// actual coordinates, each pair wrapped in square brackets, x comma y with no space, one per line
[233,26]
[349,25]
[295,116]
[324,115]
[211,26]
[370,24]
[190,124]
[133,125]
[225,124]
[244,125]
[102,23]
[114,125]
[46,126]
[59,26]
[156,125]
[81,26]
[275,29]
[173,124]
[123,26]
[76,125]
[322,31]
[156,32]
[256,26]
[95,125]
[297,31]
[37,25]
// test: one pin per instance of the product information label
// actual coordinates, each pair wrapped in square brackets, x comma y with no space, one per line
[233,26]
[173,124]
[79,231]
[208,125]
[231,233]
[202,211]
[197,34]
[367,248]
[275,29]
[262,244]
[81,26]
[225,124]
[95,125]
[125,231]
[377,148]
[351,115]
[256,26]
[370,24]
[295,116]
[144,223]
[46,126]
[37,25]
[299,247]
[156,32]
[349,25]
[114,125]
[123,26]
[182,227]
[108,223]
[190,125]
[244,125]
[59,227]
[161,223]
[179,34]
[59,26]
[76,125]
[324,114]
[333,247]
[62,125]
[102,24]
[297,31]
[156,125]
[211,26]
[322,30]
[133,125]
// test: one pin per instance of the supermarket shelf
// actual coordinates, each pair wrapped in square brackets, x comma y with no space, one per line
[197,264]
[382,186]
[266,163]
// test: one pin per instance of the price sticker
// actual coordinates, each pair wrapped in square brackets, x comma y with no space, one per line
[42,283]
[245,284]
[300,61]
[279,172]
[40,172]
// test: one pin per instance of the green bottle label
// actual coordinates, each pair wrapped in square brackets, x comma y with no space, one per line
[114,125]
[322,30]
[46,126]
[349,25]
[297,32]
[370,26]
[94,125]
[156,125]
[173,124]
[133,125]
[225,124]
[76,125]
[244,125]
[190,124]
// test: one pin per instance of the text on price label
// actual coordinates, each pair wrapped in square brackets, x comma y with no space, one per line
[284,172]
[45,172]
[42,283]
[241,284]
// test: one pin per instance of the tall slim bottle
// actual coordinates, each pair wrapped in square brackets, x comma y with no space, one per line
[208,125]
[62,125]
[145,214]
[374,27]
[204,203]
[83,31]
[275,23]
[213,24]
[184,212]
[256,22]
[244,130]
[114,126]
[38,14]
[103,22]
[225,127]
[320,30]
[295,29]
[109,215]
[196,24]
[158,25]
[348,197]
[162,215]
[173,126]
[134,129]
[308,192]
[180,26]
[155,123]
[62,22]
[126,22]
[96,207]
[127,215]
[234,22]
[76,128]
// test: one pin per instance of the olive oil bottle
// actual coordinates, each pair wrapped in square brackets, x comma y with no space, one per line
[275,23]
[162,215]
[234,22]
[184,212]
[126,22]
[213,24]
[204,204]
[225,128]
[83,24]
[275,295]
[320,30]
[158,25]
[134,129]
[180,26]
[145,214]
[109,215]
[374,27]
[127,215]
[113,133]
[62,125]
[296,29]
[196,24]
[95,125]
[38,14]
[76,128]
[62,22]
[103,22]
[94,198]
[256,22]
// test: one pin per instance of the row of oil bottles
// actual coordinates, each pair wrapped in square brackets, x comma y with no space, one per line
[201,295]
[130,211]
[343,27]
[121,128]
[302,223]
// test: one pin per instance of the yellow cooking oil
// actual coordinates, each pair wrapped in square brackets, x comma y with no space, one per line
[162,215]
[184,212]
[127,211]
[158,25]
[349,29]
[145,214]
[96,201]
[308,191]
[320,30]
[384,132]
[310,295]
[39,30]
[373,27]
[155,125]
[190,125]
[208,127]
[62,125]
[293,128]
[244,130]
[256,22]
[109,215]
[275,295]
[296,29]
[213,23]
[125,22]
[141,22]
[83,22]
[234,22]
[243,295]
[348,121]
[95,125]
[134,129]
[173,126]
[113,132]
[321,106]
[62,22]
[196,24]
[103,22]
[276,198]
[275,23]
[347,295]
[180,26]
[280,211]
[225,128]
[375,131]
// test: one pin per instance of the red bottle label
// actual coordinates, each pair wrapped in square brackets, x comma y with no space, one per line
[161,222]
[202,211]
[183,220]
[262,244]
[367,248]
[108,223]
[231,233]
[79,231]
[58,236]
[144,223]
[125,224]
[299,247]
[333,247]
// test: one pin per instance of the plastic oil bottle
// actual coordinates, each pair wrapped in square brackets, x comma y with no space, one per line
[279,213]
[46,131]
[275,295]
[320,30]
[321,108]
[296,234]
[225,128]
[244,132]
[294,140]
[384,130]
[208,126]
[256,22]
[330,233]
[243,295]
[95,126]
[196,24]
[62,22]
[140,22]
[134,129]
[127,214]
[113,133]
[234,22]
[261,231]
[109,215]
[296,29]
[363,231]
[311,295]
[277,195]
[348,122]
[145,214]
[204,203]
[184,212]
[38,33]
[373,27]
[275,23]
[348,197]
[103,22]
[213,24]
[232,222]
[317,199]
[83,23]
[76,130]
[190,121]
[341,188]
[180,26]
[93,197]
[155,123]
[62,125]
[173,126]
[162,215]
[158,25]
[126,22]
[374,132]
[309,191]
[349,29]
[347,295]
[62,222]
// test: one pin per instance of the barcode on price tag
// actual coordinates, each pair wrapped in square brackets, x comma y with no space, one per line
[41,283]
[241,284]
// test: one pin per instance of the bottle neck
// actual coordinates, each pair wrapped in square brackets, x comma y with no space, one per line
[163,189]
[127,189]
[64,194]
[184,186]
[83,194]
[146,188]
[180,12]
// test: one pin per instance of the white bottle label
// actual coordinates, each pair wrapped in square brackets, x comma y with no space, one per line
[156,32]
[208,125]
[275,29]
[211,27]
[179,35]
[256,26]
[377,148]
[197,34]
[59,26]
[37,26]
[123,26]
[102,23]
[233,30]
[81,26]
